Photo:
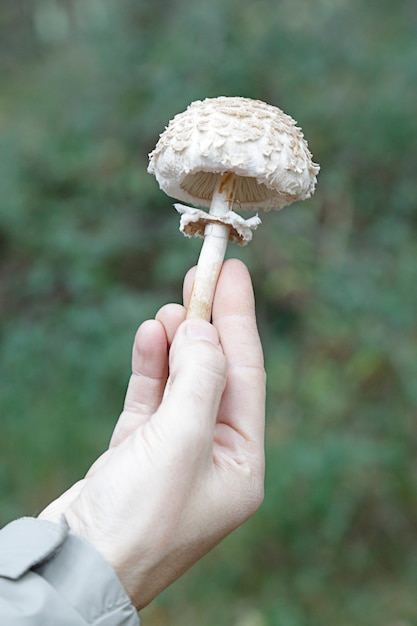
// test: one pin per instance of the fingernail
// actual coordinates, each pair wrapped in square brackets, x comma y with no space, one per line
[202,331]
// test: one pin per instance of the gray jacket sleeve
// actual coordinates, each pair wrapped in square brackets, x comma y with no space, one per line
[50,577]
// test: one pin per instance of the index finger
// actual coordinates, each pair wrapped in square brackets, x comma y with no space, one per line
[243,403]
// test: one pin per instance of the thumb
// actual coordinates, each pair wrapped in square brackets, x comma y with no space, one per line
[198,378]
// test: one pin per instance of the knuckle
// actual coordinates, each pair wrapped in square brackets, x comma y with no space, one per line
[256,492]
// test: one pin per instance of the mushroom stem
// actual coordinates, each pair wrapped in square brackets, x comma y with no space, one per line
[216,237]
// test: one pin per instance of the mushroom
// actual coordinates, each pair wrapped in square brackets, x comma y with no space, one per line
[226,152]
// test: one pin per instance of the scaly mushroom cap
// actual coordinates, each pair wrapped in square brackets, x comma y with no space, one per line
[257,141]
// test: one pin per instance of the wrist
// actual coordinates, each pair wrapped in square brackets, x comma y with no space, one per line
[109,550]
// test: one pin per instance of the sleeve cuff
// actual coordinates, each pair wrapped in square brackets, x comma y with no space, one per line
[72,568]
[27,542]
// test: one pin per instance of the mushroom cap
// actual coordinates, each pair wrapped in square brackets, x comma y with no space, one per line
[256,141]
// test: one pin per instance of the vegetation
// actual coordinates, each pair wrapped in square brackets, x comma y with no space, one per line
[89,248]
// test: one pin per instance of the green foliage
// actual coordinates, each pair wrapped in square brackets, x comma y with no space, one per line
[89,248]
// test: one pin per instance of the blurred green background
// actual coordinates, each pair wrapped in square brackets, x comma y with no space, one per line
[90,247]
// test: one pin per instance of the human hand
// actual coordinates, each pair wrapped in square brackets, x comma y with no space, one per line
[184,470]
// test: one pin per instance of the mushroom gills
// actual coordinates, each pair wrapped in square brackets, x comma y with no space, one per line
[201,185]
